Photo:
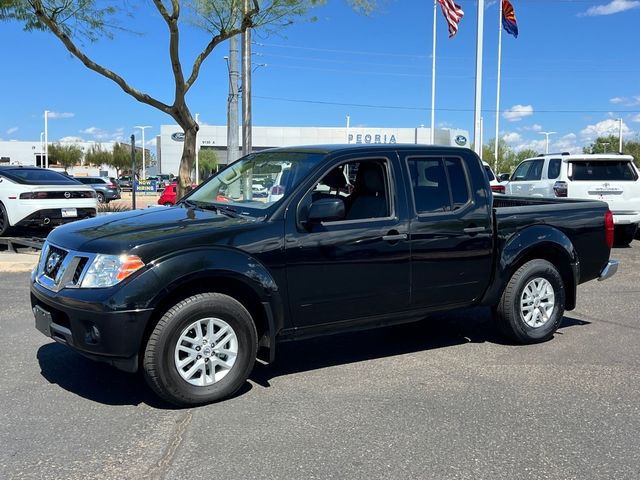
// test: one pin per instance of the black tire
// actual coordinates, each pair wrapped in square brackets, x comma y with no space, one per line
[509,317]
[100,197]
[5,228]
[624,234]
[160,370]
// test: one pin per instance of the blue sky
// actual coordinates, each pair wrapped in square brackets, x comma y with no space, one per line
[574,69]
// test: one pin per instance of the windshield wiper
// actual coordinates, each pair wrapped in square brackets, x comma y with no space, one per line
[230,212]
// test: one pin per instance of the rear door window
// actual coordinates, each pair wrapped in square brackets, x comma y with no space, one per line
[439,185]
[602,170]
[553,171]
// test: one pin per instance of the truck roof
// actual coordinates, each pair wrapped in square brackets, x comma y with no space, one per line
[333,148]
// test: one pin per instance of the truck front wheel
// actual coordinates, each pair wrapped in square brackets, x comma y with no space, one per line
[202,350]
[532,304]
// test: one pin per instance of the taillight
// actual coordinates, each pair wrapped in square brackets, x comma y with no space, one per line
[560,189]
[33,195]
[277,190]
[608,228]
[111,185]
[498,188]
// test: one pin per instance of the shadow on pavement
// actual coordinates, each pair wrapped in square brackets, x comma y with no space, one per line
[474,325]
[105,384]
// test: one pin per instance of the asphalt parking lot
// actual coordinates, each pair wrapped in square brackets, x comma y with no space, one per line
[443,398]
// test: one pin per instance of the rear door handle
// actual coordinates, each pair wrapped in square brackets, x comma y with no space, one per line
[395,237]
[474,229]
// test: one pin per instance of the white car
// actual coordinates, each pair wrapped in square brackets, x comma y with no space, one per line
[610,178]
[33,196]
[494,183]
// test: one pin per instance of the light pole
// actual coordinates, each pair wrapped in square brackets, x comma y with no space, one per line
[41,147]
[46,139]
[546,134]
[144,172]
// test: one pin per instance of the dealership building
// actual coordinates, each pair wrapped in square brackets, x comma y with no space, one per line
[170,142]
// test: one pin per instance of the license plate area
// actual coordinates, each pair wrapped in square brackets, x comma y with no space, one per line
[69,212]
[43,320]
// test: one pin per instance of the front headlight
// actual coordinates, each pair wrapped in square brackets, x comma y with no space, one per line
[108,270]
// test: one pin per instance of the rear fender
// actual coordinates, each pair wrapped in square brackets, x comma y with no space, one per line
[538,241]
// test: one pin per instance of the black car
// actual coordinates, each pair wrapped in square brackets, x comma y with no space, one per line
[357,237]
[106,188]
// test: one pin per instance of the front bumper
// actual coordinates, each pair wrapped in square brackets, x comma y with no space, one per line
[609,270]
[89,326]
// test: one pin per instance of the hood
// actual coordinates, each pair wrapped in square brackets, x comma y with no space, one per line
[122,232]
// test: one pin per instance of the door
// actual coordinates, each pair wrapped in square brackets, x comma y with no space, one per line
[450,233]
[526,178]
[358,265]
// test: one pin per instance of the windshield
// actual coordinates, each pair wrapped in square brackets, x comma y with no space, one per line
[258,180]
[602,170]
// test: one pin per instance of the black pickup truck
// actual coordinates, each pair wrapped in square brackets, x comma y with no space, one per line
[343,238]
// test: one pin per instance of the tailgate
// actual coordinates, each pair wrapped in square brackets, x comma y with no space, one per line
[612,181]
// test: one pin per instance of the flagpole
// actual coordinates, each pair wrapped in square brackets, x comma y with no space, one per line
[498,89]
[433,78]
[478,102]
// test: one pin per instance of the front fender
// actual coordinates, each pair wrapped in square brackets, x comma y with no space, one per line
[196,263]
[205,263]
[537,241]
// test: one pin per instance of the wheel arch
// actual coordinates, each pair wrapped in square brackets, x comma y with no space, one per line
[228,272]
[537,242]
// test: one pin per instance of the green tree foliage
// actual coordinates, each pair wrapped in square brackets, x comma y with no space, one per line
[65,155]
[207,162]
[77,22]
[508,159]
[611,144]
[97,157]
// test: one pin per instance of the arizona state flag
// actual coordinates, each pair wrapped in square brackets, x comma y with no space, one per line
[509,18]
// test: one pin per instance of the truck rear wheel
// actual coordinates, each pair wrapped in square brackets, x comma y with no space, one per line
[532,304]
[202,350]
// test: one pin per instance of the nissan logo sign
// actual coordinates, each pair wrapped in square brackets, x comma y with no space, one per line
[177,137]
[461,140]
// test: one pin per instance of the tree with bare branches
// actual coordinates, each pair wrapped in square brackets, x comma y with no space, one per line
[75,22]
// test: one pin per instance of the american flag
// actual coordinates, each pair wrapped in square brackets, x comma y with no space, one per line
[453,13]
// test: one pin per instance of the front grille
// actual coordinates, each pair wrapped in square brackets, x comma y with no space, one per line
[78,273]
[53,262]
[60,268]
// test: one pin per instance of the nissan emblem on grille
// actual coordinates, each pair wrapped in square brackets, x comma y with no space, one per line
[52,262]
[67,195]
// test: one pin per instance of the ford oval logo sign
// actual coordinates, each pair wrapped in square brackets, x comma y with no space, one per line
[461,140]
[177,137]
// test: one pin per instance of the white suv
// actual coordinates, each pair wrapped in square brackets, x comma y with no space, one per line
[610,178]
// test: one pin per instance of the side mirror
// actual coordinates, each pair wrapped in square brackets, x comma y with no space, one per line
[326,210]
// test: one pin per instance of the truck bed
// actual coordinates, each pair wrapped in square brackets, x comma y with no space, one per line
[582,221]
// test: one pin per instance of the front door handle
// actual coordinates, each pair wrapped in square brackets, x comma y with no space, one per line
[474,229]
[394,237]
